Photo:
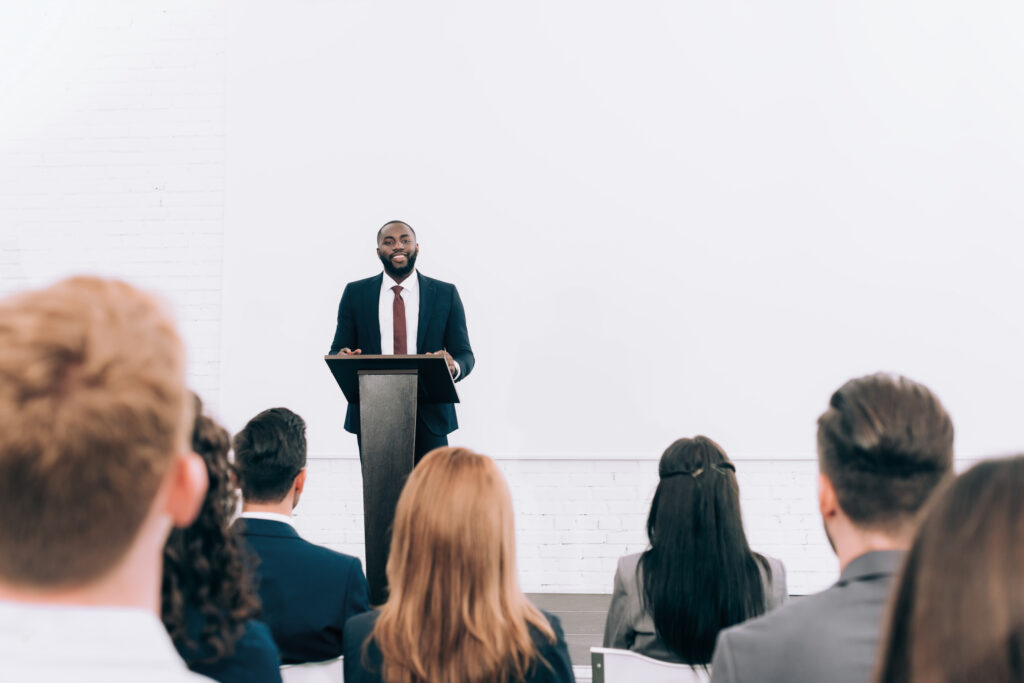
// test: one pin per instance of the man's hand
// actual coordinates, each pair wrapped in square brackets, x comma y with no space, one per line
[349,352]
[452,367]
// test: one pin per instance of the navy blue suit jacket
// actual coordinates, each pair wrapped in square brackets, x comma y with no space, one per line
[255,660]
[307,591]
[363,659]
[442,325]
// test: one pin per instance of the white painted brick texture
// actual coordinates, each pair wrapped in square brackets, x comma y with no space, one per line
[112,157]
[574,518]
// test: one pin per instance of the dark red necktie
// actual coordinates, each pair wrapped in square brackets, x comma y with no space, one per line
[398,311]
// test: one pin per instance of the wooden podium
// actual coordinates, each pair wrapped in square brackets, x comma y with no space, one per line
[387,390]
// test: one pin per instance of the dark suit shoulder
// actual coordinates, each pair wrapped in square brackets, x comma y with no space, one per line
[266,536]
[439,286]
[255,658]
[373,280]
[326,555]
[362,659]
[551,666]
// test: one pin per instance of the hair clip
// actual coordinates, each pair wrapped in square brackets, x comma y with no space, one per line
[696,473]
[722,469]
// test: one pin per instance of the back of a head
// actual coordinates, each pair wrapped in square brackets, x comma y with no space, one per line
[957,615]
[699,575]
[885,443]
[92,410]
[452,572]
[270,451]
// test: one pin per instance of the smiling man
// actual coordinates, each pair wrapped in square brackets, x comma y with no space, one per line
[401,311]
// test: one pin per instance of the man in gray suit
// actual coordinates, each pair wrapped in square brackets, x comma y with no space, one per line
[884,444]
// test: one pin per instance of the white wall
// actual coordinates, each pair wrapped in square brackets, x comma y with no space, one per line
[664,218]
[112,127]
[726,209]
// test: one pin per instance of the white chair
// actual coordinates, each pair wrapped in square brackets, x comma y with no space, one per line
[623,666]
[331,671]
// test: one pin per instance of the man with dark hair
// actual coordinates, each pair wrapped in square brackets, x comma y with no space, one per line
[401,312]
[884,445]
[307,591]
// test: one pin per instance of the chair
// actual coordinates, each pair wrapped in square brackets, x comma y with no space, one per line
[331,671]
[623,666]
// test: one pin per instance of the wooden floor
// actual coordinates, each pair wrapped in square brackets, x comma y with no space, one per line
[582,616]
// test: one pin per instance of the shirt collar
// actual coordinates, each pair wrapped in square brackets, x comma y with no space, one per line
[410,284]
[871,565]
[89,636]
[269,517]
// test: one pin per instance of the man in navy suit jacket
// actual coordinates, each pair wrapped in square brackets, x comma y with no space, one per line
[307,591]
[434,322]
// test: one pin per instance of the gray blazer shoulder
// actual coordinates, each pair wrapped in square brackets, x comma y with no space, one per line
[776,591]
[630,627]
[829,636]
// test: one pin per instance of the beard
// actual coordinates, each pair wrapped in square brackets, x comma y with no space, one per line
[394,271]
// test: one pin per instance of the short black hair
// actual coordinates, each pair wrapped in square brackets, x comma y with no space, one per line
[885,443]
[270,451]
[381,231]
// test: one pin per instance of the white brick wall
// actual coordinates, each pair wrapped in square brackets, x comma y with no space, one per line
[112,154]
[574,518]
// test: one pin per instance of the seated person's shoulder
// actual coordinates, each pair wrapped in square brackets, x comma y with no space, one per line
[628,563]
[787,625]
[322,554]
[553,621]
[556,665]
[258,643]
[360,626]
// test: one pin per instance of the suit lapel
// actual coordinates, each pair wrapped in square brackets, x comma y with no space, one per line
[426,311]
[371,308]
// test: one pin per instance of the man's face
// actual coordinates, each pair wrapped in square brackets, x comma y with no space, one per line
[397,249]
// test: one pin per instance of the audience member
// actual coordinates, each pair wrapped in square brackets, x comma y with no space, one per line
[957,614]
[884,444]
[95,469]
[699,574]
[456,613]
[209,601]
[308,592]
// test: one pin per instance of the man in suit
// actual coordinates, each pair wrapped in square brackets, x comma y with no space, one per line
[884,444]
[307,591]
[402,311]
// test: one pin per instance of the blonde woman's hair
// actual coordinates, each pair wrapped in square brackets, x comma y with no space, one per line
[455,611]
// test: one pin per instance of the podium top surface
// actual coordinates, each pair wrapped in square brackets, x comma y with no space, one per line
[435,383]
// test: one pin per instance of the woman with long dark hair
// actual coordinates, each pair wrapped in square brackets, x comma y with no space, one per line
[699,574]
[209,603]
[456,613]
[957,613]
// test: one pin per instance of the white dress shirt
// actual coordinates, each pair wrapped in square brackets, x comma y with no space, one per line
[386,313]
[269,517]
[59,643]
[411,297]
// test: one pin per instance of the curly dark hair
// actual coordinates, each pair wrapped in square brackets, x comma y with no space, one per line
[205,564]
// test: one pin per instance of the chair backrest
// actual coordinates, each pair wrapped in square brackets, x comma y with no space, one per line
[622,666]
[331,671]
